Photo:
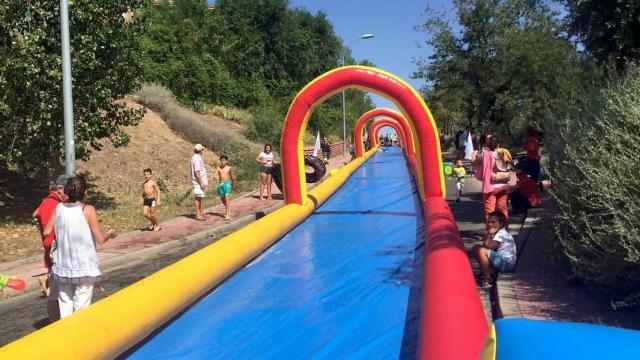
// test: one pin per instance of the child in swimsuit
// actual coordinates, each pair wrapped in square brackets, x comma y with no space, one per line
[225,183]
[150,199]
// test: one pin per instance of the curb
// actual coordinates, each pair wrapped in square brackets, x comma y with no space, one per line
[136,257]
[129,259]
[504,302]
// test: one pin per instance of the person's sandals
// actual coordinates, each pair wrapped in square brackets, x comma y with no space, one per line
[485,283]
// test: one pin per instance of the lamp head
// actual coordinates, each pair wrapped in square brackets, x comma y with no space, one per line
[367,36]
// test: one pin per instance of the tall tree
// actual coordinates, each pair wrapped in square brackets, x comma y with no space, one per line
[607,28]
[105,66]
[503,69]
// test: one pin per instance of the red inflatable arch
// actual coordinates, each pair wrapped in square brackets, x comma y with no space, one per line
[452,321]
[406,126]
[374,130]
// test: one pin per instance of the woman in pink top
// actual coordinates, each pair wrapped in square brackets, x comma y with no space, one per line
[494,192]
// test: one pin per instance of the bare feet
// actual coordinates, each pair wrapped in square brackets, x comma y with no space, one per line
[157,228]
[227,217]
[200,218]
[43,285]
[151,227]
[261,198]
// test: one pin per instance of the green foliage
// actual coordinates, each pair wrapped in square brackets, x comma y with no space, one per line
[105,67]
[191,126]
[230,113]
[266,125]
[252,55]
[506,68]
[608,29]
[595,144]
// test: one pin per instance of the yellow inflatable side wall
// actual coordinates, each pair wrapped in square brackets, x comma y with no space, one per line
[115,324]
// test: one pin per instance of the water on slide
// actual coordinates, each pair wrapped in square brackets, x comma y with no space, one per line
[342,284]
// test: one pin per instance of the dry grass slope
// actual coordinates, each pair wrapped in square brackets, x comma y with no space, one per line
[115,176]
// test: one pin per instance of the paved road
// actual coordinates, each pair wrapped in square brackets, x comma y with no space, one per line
[23,314]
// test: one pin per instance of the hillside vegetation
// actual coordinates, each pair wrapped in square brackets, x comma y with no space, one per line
[115,177]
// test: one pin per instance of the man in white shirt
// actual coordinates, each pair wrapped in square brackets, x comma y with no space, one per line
[199,180]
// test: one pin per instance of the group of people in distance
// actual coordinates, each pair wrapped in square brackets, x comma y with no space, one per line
[502,182]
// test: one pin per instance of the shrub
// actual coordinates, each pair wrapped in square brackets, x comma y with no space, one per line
[266,125]
[191,126]
[594,147]
[233,114]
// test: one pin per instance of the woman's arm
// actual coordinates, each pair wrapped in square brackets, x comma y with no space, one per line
[92,218]
[476,159]
[259,159]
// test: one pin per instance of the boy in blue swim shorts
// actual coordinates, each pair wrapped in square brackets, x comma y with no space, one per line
[498,250]
[225,183]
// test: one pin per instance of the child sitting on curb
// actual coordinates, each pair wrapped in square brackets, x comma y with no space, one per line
[498,250]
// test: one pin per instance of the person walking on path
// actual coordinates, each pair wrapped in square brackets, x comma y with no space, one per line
[150,199]
[199,180]
[43,213]
[75,260]
[494,186]
[498,249]
[265,159]
[325,145]
[225,183]
[462,143]
[532,148]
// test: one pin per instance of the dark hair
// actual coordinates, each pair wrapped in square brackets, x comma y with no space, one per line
[500,217]
[75,188]
[269,145]
[532,131]
[224,157]
[492,142]
[147,170]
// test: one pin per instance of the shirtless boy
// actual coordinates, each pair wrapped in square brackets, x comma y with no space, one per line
[150,199]
[225,183]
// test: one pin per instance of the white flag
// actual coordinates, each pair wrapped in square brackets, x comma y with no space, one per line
[316,146]
[468,148]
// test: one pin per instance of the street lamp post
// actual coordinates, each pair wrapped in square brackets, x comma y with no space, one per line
[344,101]
[69,142]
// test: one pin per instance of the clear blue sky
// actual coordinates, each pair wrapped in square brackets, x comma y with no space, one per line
[394,46]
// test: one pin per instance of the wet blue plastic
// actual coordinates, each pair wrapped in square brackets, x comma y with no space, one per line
[337,286]
[521,339]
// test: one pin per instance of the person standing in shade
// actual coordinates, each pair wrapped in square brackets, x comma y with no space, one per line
[532,148]
[494,187]
[325,146]
[43,213]
[265,159]
[199,180]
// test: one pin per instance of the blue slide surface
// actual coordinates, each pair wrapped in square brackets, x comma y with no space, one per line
[344,283]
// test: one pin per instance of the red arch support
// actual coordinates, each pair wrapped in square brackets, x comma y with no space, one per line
[406,126]
[452,321]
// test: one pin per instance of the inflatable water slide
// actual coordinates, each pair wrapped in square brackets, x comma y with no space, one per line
[367,264]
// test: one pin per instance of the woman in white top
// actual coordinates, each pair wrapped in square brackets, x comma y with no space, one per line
[265,158]
[75,260]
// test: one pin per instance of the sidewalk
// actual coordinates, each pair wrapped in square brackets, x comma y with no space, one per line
[469,215]
[538,289]
[130,248]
